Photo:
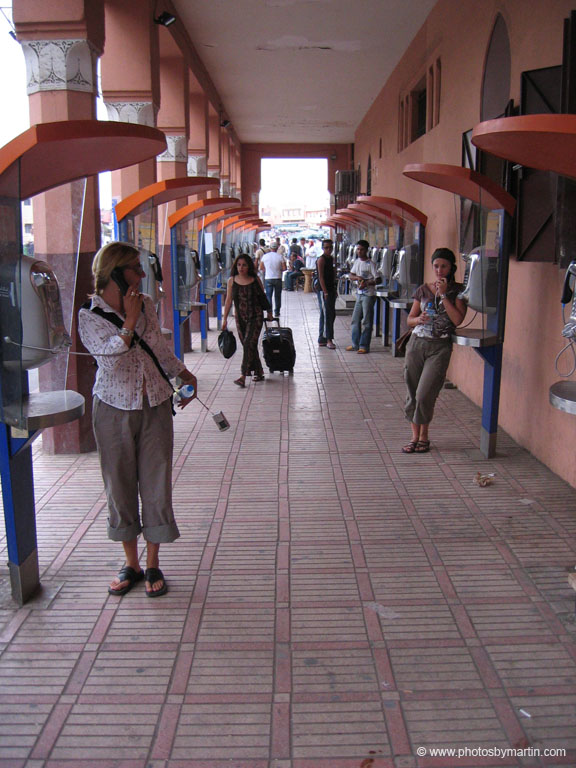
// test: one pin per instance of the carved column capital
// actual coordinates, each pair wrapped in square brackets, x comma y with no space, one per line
[136,112]
[60,65]
[197,165]
[177,150]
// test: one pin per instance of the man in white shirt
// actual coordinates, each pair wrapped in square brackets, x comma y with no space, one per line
[313,253]
[365,274]
[272,264]
[261,250]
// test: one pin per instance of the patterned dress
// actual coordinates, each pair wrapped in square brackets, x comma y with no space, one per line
[249,303]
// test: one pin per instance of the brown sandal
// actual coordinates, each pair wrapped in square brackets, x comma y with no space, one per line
[422,446]
[240,383]
[258,377]
[410,447]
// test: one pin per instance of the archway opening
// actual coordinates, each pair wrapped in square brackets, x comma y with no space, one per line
[294,192]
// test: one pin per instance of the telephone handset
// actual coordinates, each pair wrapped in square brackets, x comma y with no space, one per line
[569,330]
[568,288]
[117,275]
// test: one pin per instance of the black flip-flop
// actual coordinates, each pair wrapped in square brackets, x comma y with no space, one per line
[153,575]
[126,574]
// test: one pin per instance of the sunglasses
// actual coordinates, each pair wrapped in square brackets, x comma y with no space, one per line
[136,267]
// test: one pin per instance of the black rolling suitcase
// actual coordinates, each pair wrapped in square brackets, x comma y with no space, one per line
[278,348]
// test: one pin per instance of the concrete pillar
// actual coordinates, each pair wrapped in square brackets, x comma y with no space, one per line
[224,162]
[131,81]
[61,42]
[173,119]
[198,137]
[214,156]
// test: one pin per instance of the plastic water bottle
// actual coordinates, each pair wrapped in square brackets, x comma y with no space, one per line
[431,313]
[185,392]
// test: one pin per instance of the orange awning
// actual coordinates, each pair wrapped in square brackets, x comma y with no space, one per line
[545,142]
[164,192]
[464,182]
[51,154]
[201,208]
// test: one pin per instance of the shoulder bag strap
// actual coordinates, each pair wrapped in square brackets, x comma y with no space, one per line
[115,320]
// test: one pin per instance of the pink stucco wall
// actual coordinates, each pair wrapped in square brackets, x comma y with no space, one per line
[459,33]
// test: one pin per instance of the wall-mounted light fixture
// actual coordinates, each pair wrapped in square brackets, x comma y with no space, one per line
[165,19]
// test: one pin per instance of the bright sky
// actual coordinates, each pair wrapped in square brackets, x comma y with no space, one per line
[12,83]
[295,182]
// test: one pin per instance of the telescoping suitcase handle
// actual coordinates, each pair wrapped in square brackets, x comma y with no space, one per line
[274,320]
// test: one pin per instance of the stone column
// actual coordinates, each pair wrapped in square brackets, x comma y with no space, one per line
[130,80]
[198,138]
[61,54]
[214,150]
[224,162]
[173,119]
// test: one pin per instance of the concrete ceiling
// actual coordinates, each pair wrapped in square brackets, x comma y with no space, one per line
[300,70]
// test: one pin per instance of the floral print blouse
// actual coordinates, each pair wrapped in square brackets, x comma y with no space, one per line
[124,371]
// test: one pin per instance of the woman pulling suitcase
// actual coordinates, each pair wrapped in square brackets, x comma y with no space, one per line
[246,291]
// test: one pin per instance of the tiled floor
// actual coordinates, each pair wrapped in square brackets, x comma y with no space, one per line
[333,603]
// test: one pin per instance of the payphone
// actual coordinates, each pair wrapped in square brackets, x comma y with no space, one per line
[480,280]
[408,274]
[152,280]
[187,277]
[485,215]
[136,223]
[386,270]
[32,319]
[31,316]
[562,394]
[195,261]
[569,297]
[545,142]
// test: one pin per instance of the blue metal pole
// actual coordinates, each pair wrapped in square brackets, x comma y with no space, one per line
[19,514]
[396,315]
[175,310]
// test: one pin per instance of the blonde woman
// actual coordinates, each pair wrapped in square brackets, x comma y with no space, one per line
[132,412]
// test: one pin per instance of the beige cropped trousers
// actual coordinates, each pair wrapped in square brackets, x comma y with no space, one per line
[135,450]
[425,369]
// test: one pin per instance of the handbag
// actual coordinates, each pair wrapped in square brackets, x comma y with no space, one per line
[402,342]
[227,343]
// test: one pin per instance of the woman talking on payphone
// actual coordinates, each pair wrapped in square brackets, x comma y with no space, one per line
[435,313]
[132,412]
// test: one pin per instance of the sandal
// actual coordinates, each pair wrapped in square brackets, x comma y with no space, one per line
[240,383]
[153,575]
[126,574]
[422,446]
[258,377]
[410,447]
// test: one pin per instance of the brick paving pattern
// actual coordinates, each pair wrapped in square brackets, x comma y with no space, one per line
[333,602]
